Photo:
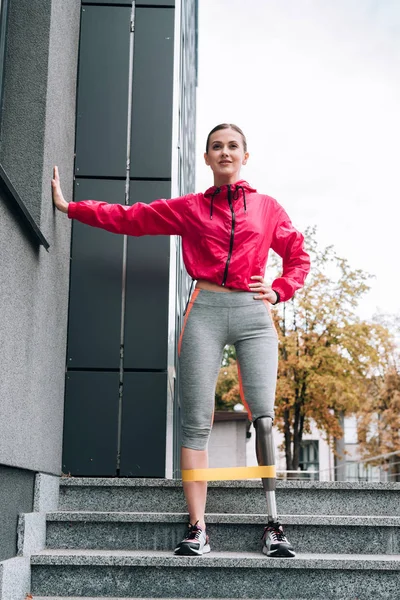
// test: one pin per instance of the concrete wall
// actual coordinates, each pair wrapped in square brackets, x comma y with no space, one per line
[16,496]
[38,128]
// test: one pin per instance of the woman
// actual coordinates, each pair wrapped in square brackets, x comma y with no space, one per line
[226,235]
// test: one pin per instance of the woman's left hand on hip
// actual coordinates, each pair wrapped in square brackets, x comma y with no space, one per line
[265,291]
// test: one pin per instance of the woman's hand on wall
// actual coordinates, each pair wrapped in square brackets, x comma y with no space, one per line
[265,291]
[58,198]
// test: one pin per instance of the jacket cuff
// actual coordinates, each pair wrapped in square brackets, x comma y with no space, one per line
[71,210]
[278,297]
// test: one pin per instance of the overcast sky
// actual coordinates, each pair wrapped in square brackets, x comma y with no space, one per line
[315,85]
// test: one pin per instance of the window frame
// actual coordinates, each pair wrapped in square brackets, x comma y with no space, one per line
[10,194]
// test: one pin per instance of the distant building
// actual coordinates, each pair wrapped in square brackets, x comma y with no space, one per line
[317,459]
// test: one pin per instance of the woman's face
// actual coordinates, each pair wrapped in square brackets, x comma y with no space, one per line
[226,156]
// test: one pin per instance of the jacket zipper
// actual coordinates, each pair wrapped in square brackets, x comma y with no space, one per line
[232,236]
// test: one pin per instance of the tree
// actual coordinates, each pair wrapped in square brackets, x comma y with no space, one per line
[227,392]
[379,422]
[328,356]
[326,352]
[379,417]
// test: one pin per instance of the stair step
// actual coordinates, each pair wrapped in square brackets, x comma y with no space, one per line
[215,559]
[228,532]
[149,574]
[111,494]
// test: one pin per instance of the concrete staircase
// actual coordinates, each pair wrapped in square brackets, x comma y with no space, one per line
[112,538]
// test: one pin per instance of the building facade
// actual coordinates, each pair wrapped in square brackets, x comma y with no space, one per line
[88,322]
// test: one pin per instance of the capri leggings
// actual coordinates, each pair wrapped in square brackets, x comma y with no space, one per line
[213,320]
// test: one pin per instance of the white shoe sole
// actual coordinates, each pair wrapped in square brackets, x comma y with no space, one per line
[188,551]
[283,552]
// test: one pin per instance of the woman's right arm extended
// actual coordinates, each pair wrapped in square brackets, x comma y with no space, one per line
[161,217]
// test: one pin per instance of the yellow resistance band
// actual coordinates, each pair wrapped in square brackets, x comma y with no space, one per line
[229,474]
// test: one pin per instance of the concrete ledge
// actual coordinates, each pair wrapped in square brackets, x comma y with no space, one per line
[47,490]
[177,483]
[141,517]
[134,495]
[31,533]
[15,578]
[224,575]
[142,558]
[32,526]
[228,533]
[15,573]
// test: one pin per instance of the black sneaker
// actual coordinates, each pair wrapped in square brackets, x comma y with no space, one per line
[275,542]
[195,543]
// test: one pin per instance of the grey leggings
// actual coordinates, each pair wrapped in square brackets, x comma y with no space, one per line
[213,320]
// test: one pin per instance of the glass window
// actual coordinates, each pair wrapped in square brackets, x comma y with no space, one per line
[350,430]
[309,458]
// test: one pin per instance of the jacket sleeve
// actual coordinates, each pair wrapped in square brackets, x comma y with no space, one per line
[160,217]
[289,244]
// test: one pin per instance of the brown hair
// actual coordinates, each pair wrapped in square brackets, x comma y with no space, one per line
[227,126]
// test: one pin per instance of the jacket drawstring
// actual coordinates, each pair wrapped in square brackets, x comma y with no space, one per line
[236,195]
[188,300]
[215,192]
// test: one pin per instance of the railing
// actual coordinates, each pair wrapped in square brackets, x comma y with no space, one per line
[354,471]
[297,475]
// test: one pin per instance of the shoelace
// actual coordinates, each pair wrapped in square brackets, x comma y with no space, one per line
[187,304]
[194,532]
[276,533]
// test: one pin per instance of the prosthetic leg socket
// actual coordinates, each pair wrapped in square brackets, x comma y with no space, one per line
[266,457]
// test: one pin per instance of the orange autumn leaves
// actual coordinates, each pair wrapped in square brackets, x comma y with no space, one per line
[328,356]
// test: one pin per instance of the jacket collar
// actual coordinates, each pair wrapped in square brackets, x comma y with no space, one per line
[224,188]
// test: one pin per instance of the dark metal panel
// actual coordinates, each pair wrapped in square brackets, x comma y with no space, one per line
[143,425]
[146,314]
[152,93]
[154,3]
[102,102]
[91,424]
[124,2]
[96,284]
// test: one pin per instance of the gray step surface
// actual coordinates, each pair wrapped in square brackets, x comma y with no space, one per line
[223,575]
[228,532]
[303,497]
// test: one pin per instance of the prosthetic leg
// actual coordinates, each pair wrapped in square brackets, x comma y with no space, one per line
[275,543]
[266,457]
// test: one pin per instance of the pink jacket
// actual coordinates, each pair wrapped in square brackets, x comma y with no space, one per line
[226,233]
